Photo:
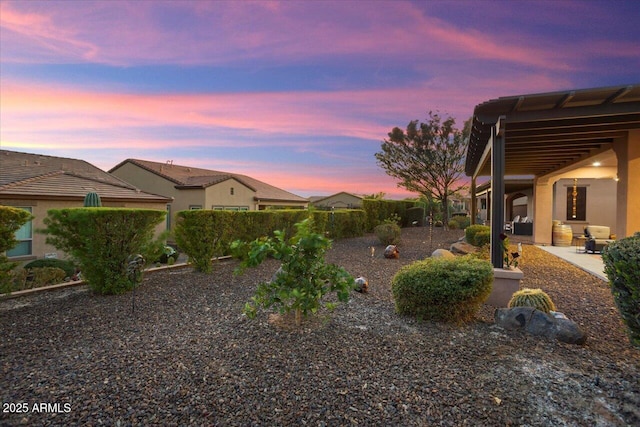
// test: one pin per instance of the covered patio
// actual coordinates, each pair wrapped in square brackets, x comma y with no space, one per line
[574,134]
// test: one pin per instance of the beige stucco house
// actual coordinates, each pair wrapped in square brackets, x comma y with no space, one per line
[196,188]
[342,200]
[38,183]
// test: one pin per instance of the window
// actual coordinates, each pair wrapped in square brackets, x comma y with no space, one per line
[230,208]
[576,203]
[195,207]
[231,191]
[25,238]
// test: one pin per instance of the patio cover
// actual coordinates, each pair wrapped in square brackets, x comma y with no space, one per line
[538,134]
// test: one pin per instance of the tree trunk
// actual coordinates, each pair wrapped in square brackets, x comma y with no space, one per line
[445,211]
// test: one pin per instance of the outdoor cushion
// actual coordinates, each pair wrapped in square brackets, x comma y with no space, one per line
[598,232]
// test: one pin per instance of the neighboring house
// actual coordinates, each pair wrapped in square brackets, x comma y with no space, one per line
[38,183]
[342,200]
[195,188]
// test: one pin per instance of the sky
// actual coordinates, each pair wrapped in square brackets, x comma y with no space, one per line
[298,94]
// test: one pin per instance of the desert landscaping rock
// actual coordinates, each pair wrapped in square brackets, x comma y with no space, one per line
[539,323]
[442,253]
[187,355]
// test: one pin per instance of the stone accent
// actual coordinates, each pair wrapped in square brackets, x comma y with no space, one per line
[392,252]
[362,285]
[539,323]
[463,248]
[442,253]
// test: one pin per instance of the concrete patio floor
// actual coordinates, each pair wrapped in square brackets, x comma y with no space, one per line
[591,263]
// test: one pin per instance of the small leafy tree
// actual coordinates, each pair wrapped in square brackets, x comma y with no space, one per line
[427,158]
[11,219]
[303,278]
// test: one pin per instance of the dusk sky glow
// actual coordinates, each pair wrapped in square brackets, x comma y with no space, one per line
[299,94]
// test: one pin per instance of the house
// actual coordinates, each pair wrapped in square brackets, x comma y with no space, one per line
[38,183]
[342,200]
[195,188]
[581,148]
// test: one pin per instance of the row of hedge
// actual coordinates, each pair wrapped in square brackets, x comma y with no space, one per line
[204,234]
[378,210]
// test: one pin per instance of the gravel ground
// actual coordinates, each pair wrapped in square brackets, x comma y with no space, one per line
[185,355]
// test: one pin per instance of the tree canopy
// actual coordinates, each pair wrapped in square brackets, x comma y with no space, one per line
[427,158]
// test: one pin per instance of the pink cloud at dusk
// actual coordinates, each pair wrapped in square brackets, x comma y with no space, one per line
[139,34]
[299,94]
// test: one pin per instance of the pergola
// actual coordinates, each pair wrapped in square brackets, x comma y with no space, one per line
[540,134]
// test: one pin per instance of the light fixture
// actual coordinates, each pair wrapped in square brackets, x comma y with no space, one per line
[596,164]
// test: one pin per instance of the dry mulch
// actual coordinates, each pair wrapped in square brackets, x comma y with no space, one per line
[179,352]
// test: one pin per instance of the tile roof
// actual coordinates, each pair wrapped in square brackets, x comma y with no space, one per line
[190,177]
[40,176]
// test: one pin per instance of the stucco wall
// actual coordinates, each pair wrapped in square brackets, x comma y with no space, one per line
[601,203]
[220,195]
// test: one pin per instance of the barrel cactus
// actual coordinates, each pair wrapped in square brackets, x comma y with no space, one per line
[535,298]
[92,200]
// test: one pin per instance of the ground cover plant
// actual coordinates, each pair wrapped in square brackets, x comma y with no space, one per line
[187,355]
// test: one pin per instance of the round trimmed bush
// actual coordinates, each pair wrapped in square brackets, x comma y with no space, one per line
[443,289]
[481,238]
[471,231]
[388,233]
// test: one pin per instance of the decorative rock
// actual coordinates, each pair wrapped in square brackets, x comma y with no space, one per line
[538,323]
[442,253]
[362,285]
[463,248]
[391,251]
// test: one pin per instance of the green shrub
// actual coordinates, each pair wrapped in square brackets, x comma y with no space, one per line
[482,238]
[621,260]
[11,219]
[43,276]
[201,235]
[471,231]
[442,289]
[303,278]
[378,210]
[462,222]
[416,215]
[453,224]
[389,234]
[66,265]
[101,240]
[535,298]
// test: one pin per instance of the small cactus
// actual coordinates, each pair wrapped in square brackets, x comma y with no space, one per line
[92,200]
[535,298]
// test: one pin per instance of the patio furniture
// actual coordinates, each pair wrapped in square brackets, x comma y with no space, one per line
[597,237]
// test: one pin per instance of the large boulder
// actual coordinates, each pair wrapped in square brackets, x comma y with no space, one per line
[539,323]
[463,248]
[442,253]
